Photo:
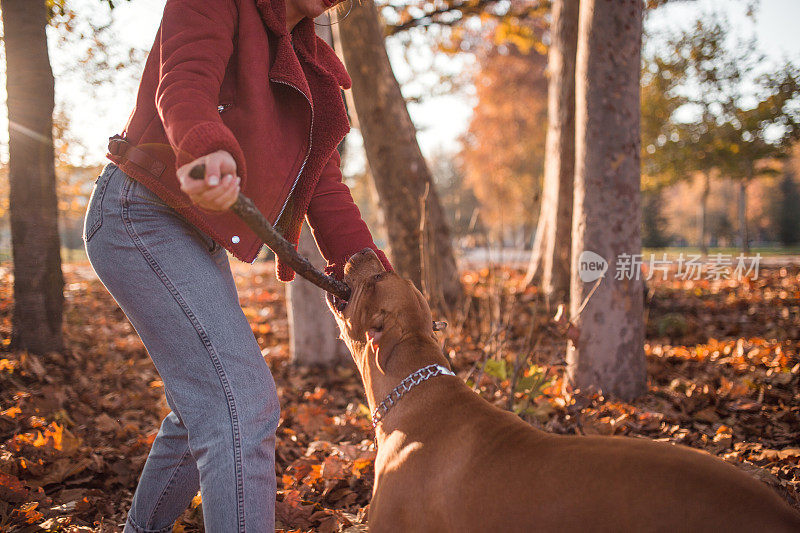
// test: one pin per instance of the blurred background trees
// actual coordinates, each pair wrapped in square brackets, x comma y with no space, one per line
[420,247]
[785,200]
[33,206]
[718,128]
[38,140]
[503,148]
[711,112]
[550,258]
[607,348]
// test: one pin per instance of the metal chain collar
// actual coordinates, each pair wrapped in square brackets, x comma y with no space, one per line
[408,383]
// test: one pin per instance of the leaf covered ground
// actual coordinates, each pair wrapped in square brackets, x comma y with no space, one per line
[76,426]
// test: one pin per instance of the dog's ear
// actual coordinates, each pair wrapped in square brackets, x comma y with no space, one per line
[425,309]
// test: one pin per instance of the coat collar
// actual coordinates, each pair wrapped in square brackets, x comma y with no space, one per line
[312,67]
[307,48]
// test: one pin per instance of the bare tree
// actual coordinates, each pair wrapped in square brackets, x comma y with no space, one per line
[419,236]
[313,333]
[607,352]
[550,259]
[38,281]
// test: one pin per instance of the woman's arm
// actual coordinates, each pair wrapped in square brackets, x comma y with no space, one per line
[196,42]
[336,221]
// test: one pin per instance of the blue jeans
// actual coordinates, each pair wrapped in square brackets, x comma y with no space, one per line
[174,284]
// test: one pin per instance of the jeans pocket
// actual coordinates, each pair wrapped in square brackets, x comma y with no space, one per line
[94,209]
[138,193]
[210,243]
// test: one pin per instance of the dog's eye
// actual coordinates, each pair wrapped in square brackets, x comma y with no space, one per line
[378,277]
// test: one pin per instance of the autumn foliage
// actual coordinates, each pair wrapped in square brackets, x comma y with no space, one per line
[503,153]
[76,426]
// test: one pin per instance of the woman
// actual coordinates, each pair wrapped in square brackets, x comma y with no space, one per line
[246,88]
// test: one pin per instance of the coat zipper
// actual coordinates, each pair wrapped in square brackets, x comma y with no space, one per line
[308,152]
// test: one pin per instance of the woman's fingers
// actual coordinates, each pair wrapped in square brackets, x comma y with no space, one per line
[211,194]
[230,198]
[217,164]
[212,172]
[219,197]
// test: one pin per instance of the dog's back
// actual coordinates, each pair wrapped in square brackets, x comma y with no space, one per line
[450,461]
[462,464]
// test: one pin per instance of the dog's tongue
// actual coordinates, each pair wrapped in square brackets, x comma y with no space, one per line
[331,3]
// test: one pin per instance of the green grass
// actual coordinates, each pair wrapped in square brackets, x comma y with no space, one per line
[70,256]
[765,251]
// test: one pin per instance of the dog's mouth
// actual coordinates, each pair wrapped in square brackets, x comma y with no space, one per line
[337,304]
[357,271]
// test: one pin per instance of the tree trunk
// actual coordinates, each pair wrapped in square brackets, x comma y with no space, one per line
[419,236]
[744,238]
[550,260]
[313,333]
[704,213]
[38,282]
[788,200]
[608,351]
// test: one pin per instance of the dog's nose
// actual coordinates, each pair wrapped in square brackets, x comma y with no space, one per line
[362,265]
[364,252]
[358,258]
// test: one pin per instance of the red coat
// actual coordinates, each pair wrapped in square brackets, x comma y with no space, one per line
[226,75]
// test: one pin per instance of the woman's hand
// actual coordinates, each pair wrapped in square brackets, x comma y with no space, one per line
[212,193]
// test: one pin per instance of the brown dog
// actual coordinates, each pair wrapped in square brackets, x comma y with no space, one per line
[450,461]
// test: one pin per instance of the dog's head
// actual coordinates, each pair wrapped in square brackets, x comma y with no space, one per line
[384,309]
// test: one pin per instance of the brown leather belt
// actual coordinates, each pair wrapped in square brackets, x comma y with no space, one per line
[118,146]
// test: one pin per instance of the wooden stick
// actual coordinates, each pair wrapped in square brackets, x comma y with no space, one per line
[249,213]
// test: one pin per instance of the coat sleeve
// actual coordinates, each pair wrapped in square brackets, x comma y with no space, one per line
[336,221]
[195,43]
